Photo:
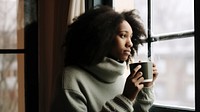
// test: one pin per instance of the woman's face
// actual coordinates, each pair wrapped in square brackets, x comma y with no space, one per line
[121,50]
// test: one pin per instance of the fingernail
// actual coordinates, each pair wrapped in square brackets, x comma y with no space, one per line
[139,66]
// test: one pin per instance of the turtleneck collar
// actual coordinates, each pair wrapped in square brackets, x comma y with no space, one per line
[108,70]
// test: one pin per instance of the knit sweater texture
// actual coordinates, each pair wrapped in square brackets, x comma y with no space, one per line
[99,88]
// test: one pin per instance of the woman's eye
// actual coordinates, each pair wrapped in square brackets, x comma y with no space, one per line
[123,36]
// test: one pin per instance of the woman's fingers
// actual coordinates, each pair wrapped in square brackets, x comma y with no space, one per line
[140,79]
[133,85]
[155,71]
[134,71]
[138,75]
[137,79]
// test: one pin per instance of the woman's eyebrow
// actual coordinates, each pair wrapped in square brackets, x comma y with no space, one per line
[125,32]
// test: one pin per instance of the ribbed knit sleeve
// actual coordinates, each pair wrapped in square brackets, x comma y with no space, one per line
[144,100]
[118,104]
[142,103]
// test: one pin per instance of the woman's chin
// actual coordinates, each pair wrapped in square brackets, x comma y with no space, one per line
[124,59]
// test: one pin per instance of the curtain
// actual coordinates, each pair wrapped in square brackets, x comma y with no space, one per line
[76,8]
[53,18]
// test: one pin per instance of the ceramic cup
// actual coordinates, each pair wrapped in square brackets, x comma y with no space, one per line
[146,69]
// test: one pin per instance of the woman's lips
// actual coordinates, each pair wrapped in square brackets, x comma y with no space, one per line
[127,52]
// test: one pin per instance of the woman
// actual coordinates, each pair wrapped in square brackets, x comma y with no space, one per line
[99,47]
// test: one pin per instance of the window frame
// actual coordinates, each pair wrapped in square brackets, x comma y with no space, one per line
[31,68]
[152,38]
[197,53]
[178,35]
[29,84]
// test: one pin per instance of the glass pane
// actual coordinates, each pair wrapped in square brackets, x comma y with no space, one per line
[121,5]
[175,62]
[175,85]
[9,84]
[142,53]
[172,16]
[168,15]
[11,24]
[141,6]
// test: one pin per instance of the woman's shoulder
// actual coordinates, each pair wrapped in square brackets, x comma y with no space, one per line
[74,72]
[75,76]
[72,69]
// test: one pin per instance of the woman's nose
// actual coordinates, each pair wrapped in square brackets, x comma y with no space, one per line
[129,43]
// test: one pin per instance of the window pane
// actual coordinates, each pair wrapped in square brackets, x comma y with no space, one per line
[11,16]
[8,83]
[172,16]
[11,65]
[121,5]
[11,83]
[141,6]
[175,84]
[168,15]
[142,53]
[175,62]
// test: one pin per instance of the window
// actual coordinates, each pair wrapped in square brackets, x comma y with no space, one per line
[171,31]
[18,56]
[11,56]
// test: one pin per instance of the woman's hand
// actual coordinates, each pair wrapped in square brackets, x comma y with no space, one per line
[133,84]
[155,74]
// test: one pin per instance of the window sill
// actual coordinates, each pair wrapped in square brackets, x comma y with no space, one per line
[166,108]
